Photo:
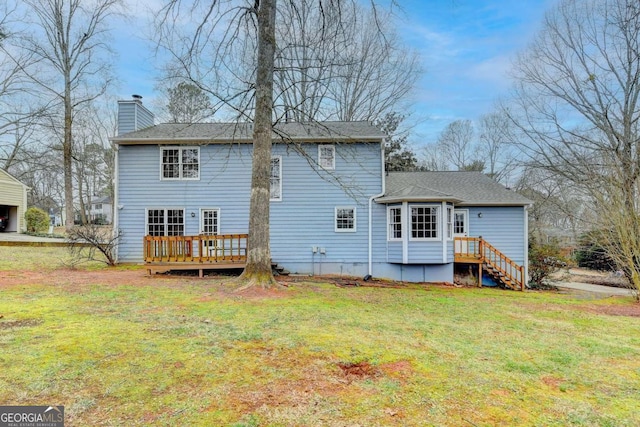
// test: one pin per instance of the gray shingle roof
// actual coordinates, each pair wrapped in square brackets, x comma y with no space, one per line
[103,200]
[462,188]
[242,132]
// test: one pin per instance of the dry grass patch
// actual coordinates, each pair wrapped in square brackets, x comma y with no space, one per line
[119,348]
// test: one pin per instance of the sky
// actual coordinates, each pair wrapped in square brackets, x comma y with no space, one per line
[466,48]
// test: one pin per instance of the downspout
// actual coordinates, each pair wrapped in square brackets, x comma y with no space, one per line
[116,200]
[375,196]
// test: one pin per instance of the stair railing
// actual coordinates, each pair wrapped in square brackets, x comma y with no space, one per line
[509,271]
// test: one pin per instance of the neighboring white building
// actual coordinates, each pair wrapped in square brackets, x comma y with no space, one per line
[13,201]
[101,210]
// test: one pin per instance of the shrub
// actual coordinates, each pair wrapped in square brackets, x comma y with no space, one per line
[92,242]
[593,255]
[37,220]
[543,261]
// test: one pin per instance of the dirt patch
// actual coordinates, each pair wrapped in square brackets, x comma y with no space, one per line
[552,382]
[256,292]
[631,310]
[359,369]
[23,323]
[355,282]
[73,279]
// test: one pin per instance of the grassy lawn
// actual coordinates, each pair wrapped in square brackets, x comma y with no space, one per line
[117,348]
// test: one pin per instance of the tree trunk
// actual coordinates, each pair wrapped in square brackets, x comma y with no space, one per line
[258,269]
[67,154]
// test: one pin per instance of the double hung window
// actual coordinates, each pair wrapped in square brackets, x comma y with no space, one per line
[395,223]
[276,178]
[327,156]
[345,219]
[180,162]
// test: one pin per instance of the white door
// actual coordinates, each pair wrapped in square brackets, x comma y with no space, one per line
[209,226]
[461,229]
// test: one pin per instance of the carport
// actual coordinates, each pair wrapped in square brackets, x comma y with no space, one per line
[13,201]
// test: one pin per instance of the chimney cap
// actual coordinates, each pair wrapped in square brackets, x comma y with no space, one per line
[136,97]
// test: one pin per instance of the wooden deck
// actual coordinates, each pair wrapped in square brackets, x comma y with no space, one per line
[229,251]
[201,252]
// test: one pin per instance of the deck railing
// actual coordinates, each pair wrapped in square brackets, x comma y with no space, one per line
[470,249]
[222,248]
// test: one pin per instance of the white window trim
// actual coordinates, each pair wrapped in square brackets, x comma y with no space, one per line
[180,149]
[438,225]
[466,223]
[333,158]
[165,209]
[335,220]
[402,227]
[200,224]
[276,199]
[449,221]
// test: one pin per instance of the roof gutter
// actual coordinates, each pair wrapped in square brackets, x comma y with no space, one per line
[240,140]
[375,196]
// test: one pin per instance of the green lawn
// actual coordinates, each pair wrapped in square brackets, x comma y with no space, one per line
[117,348]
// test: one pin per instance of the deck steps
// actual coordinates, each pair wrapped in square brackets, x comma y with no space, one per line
[278,270]
[476,250]
[500,277]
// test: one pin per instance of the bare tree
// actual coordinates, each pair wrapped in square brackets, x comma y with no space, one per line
[20,107]
[457,144]
[557,210]
[93,157]
[496,145]
[577,108]
[242,81]
[69,42]
[326,70]
[91,242]
[434,158]
[258,268]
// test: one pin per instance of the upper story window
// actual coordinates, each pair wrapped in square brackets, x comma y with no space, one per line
[395,223]
[327,156]
[424,222]
[180,162]
[345,219]
[276,178]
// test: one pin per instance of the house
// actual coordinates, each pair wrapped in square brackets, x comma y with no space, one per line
[101,210]
[182,198]
[13,202]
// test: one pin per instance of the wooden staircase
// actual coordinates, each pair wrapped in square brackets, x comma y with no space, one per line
[475,250]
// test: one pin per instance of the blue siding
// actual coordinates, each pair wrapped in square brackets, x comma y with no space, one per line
[132,116]
[394,252]
[303,219]
[427,252]
[379,233]
[415,273]
[306,215]
[502,226]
